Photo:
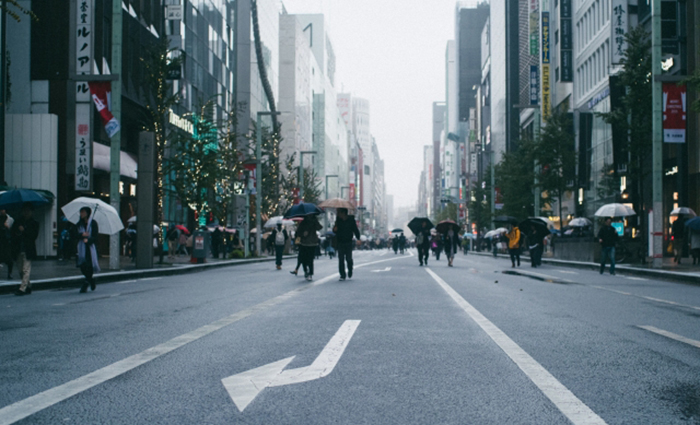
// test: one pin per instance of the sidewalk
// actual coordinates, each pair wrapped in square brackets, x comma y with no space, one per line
[50,274]
[684,272]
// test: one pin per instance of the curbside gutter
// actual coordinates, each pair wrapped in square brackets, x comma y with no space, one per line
[116,276]
[637,271]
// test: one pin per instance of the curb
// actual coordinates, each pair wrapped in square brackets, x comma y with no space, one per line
[116,276]
[660,274]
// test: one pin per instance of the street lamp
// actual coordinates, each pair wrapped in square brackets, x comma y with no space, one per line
[258,179]
[301,172]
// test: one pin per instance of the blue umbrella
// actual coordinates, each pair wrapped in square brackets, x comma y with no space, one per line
[17,197]
[302,210]
[693,224]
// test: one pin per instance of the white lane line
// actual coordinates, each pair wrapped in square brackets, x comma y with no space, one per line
[658,300]
[151,278]
[635,278]
[27,407]
[126,281]
[567,272]
[671,335]
[573,408]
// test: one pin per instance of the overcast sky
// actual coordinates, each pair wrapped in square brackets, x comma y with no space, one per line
[391,52]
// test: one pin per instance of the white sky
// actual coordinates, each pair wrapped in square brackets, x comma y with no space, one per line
[391,52]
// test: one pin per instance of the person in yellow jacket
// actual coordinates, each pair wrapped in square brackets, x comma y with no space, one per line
[514,245]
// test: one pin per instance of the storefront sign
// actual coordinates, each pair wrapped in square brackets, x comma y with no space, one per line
[546,109]
[618,26]
[534,84]
[180,122]
[101,95]
[674,113]
[534,27]
[83,148]
[83,61]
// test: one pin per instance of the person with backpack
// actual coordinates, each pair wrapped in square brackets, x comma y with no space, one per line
[280,236]
[514,245]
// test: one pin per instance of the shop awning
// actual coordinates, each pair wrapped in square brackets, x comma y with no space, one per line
[100,160]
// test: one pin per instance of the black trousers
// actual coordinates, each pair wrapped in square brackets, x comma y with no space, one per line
[307,254]
[344,256]
[514,255]
[423,254]
[279,250]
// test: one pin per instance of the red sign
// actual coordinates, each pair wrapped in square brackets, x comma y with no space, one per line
[352,193]
[101,94]
[674,113]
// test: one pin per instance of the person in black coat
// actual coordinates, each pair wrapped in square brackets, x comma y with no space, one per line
[345,228]
[423,244]
[87,252]
[23,236]
[451,244]
[279,238]
[607,236]
[5,251]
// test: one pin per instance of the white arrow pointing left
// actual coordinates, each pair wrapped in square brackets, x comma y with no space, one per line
[245,386]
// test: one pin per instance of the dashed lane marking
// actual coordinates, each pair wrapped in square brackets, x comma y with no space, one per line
[658,300]
[671,335]
[570,405]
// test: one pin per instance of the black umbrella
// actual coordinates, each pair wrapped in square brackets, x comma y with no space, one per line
[416,225]
[539,226]
[397,230]
[445,225]
[505,219]
[302,210]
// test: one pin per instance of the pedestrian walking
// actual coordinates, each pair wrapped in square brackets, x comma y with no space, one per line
[5,248]
[308,242]
[678,231]
[173,237]
[182,244]
[514,245]
[607,237]
[402,243]
[451,244]
[87,252]
[436,245]
[280,237]
[216,238]
[395,244]
[695,246]
[534,242]
[345,228]
[23,236]
[423,244]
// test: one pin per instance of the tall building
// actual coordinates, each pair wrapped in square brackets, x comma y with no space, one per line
[438,130]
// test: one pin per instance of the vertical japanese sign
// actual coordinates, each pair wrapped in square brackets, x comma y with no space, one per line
[534,27]
[618,26]
[566,45]
[84,51]
[674,113]
[534,84]
[545,66]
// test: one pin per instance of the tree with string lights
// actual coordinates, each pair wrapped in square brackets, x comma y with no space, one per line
[158,62]
[203,167]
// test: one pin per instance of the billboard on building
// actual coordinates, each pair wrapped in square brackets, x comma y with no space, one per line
[618,26]
[545,66]
[675,100]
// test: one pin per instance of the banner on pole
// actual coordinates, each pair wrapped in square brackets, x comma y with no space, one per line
[674,113]
[101,92]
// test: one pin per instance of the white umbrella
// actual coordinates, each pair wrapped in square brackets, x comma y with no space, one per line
[547,221]
[580,222]
[363,238]
[493,233]
[614,210]
[104,214]
[131,220]
[683,211]
[274,221]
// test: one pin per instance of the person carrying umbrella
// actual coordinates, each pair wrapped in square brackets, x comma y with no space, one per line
[280,237]
[678,230]
[345,228]
[23,236]
[87,252]
[607,236]
[5,251]
[451,244]
[514,245]
[402,243]
[423,243]
[395,244]
[308,241]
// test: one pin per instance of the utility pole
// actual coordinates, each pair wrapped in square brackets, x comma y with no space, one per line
[657,136]
[115,141]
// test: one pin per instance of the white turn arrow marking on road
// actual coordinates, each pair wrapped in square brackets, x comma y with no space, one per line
[245,386]
[379,271]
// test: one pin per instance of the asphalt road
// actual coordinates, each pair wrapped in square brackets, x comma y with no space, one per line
[479,343]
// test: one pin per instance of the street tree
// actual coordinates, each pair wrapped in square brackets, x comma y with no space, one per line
[634,116]
[449,212]
[158,61]
[480,205]
[555,156]
[203,166]
[515,178]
